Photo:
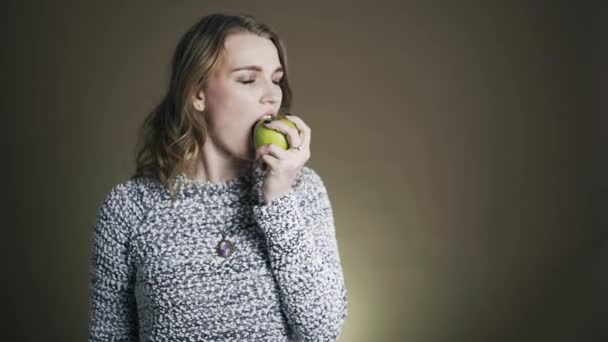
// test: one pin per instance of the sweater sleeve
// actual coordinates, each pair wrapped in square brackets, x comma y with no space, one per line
[304,257]
[113,313]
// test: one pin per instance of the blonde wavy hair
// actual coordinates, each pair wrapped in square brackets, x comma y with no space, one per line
[172,134]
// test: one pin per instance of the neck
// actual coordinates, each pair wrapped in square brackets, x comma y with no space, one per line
[216,166]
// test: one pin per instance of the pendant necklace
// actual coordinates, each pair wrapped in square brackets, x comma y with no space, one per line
[225,247]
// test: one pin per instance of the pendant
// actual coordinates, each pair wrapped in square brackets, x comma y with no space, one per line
[224,248]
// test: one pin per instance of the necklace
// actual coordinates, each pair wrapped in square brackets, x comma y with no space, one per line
[224,247]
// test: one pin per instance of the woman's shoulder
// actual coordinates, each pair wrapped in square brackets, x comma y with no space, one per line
[132,196]
[136,187]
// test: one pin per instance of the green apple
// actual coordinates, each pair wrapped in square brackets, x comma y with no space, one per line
[263,135]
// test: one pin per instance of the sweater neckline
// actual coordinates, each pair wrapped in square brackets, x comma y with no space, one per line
[205,184]
[235,189]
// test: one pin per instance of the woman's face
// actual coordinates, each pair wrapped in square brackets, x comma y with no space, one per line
[241,90]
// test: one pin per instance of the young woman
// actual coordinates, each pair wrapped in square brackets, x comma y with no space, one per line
[212,239]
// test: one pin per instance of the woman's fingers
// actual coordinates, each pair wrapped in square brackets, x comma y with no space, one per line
[271,161]
[293,136]
[305,131]
[271,149]
[280,160]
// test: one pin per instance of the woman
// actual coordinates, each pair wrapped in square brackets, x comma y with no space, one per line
[212,239]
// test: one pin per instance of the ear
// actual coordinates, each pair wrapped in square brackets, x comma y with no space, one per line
[198,100]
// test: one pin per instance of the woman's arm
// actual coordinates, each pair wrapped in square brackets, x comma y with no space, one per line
[304,257]
[113,315]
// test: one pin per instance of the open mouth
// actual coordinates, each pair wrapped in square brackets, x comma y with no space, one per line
[256,123]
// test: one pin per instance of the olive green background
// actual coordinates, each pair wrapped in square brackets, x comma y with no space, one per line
[455,141]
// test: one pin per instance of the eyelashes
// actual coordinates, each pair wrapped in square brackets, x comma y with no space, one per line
[251,81]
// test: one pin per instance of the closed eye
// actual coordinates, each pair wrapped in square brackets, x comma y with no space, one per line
[251,81]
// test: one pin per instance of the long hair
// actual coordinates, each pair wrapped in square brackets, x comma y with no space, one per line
[172,134]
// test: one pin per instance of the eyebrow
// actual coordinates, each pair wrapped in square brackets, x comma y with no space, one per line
[255,68]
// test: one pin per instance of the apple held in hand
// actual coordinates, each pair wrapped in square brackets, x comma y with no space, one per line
[263,135]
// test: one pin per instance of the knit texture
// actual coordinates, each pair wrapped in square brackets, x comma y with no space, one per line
[156,276]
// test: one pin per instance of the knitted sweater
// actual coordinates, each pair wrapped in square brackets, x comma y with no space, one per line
[156,275]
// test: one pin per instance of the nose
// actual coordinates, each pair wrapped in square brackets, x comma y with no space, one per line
[272,93]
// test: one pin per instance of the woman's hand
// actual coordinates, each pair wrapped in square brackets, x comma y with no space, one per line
[282,166]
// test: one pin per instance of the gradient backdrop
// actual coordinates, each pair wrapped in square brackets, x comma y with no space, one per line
[452,139]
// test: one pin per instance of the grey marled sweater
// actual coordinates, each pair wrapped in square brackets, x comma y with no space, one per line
[155,274]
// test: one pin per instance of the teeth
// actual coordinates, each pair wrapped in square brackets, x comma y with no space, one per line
[266,118]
